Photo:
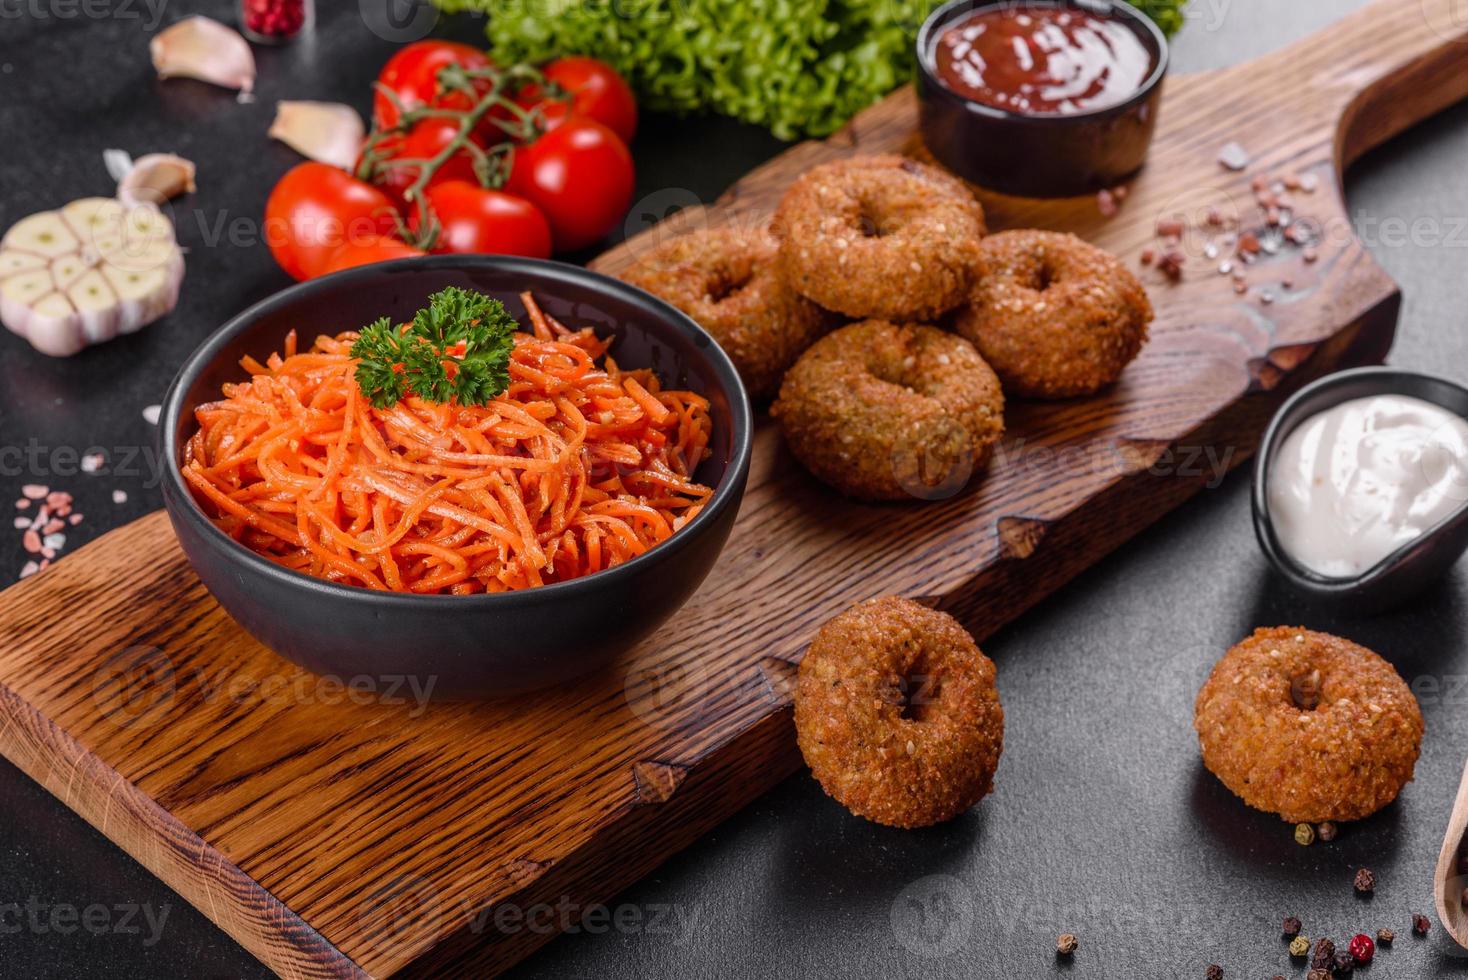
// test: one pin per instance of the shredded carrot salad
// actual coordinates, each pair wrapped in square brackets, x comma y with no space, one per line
[573,469]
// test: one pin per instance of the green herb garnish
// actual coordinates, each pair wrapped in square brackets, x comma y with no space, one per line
[416,359]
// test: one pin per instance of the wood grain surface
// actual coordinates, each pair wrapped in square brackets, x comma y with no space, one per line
[340,830]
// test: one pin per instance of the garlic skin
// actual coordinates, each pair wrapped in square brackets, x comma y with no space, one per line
[154,178]
[198,47]
[327,132]
[87,273]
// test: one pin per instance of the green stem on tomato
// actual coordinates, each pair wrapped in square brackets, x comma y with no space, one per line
[491,166]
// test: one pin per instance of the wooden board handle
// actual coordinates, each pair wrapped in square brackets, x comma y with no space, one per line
[1379,71]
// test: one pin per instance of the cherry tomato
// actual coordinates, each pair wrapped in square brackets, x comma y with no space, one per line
[475,220]
[367,250]
[316,209]
[422,142]
[597,92]
[580,176]
[412,75]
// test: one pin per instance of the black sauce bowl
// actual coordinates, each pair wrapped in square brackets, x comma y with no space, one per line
[465,646]
[1038,155]
[1414,565]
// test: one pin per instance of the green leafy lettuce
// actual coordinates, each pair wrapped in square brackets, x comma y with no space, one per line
[797,67]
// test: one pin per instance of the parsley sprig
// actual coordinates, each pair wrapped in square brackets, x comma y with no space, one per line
[417,359]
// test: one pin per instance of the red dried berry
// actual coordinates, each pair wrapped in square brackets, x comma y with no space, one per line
[1361,948]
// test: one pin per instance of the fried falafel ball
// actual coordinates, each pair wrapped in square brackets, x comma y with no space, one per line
[1309,726]
[726,280]
[880,411]
[881,237]
[897,714]
[1056,317]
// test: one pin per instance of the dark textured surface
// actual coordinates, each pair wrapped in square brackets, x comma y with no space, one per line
[1103,822]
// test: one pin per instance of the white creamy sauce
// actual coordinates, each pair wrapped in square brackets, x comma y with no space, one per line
[1358,481]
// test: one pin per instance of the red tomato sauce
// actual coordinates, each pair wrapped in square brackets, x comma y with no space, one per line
[1042,60]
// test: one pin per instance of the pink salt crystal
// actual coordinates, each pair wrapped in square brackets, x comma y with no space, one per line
[76,519]
[28,569]
[34,491]
[32,542]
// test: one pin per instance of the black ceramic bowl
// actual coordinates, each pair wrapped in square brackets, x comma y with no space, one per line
[1411,567]
[466,646]
[1038,156]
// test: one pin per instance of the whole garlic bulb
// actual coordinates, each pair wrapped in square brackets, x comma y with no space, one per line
[89,272]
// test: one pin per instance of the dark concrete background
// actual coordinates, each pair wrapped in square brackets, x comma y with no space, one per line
[1103,822]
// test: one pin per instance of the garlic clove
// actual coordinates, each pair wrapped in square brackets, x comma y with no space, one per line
[327,132]
[155,178]
[50,326]
[13,262]
[44,234]
[68,269]
[198,47]
[96,305]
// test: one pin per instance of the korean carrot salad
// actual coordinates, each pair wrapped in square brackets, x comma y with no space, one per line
[456,454]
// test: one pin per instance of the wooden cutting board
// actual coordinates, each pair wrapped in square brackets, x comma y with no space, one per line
[334,838]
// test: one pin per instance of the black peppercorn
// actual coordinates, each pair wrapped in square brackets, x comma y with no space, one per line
[1215,972]
[1324,954]
[1344,965]
[1365,881]
[1420,924]
[1318,975]
[1385,937]
[1292,927]
[1326,832]
[1066,944]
